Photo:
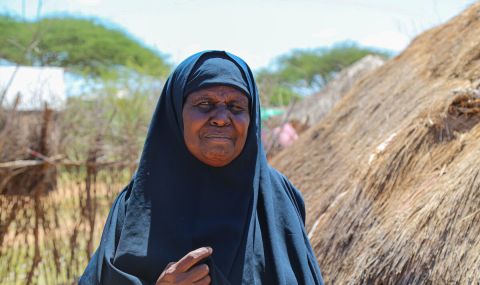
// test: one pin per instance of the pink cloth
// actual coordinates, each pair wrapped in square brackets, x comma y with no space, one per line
[285,135]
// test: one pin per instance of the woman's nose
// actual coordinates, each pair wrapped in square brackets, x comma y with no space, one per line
[220,117]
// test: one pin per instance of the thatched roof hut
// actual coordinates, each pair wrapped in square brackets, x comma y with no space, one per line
[391,175]
[312,109]
[30,101]
[27,140]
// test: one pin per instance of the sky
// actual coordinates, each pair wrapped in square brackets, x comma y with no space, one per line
[256,30]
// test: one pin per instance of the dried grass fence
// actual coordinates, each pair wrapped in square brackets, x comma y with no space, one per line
[47,238]
[52,209]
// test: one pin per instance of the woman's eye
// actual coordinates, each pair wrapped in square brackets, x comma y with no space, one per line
[204,105]
[237,108]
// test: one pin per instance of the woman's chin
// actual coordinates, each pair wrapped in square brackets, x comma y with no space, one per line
[217,158]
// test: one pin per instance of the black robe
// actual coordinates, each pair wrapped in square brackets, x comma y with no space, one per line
[249,213]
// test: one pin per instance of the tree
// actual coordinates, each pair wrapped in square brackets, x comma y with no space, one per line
[307,70]
[274,91]
[83,46]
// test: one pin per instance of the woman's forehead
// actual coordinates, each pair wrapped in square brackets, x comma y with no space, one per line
[219,92]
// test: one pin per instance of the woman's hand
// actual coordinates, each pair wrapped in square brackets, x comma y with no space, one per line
[184,272]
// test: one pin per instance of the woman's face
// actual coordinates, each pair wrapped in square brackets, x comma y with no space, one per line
[215,124]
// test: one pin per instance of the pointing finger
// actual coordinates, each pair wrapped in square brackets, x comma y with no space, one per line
[192,258]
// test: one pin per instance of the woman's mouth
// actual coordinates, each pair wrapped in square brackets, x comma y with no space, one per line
[218,137]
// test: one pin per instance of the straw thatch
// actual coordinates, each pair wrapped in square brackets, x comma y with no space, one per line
[391,175]
[312,109]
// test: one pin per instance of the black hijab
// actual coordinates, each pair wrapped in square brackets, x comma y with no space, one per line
[248,212]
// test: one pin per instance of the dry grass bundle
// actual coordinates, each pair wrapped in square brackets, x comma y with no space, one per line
[391,176]
[312,109]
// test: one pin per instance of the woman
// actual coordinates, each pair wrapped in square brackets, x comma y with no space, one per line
[204,206]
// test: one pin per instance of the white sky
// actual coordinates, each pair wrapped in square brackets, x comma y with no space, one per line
[257,30]
[34,85]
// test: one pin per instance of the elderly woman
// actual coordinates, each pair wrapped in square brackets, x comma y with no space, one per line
[204,206]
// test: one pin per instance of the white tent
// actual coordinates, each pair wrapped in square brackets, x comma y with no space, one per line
[35,86]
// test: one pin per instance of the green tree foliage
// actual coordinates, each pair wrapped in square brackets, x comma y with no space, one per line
[274,91]
[307,70]
[83,46]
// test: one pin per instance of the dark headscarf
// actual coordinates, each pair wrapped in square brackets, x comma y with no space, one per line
[248,212]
